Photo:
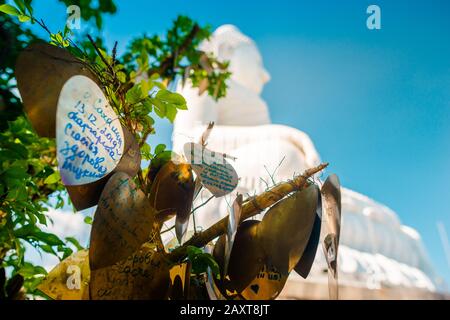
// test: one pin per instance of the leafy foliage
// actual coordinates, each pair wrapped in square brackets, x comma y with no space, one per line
[136,85]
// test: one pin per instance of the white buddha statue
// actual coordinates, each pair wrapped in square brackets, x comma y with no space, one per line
[376,250]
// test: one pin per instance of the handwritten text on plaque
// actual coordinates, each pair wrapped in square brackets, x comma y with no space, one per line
[89,136]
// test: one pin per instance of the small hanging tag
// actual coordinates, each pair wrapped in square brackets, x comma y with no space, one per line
[89,136]
[214,172]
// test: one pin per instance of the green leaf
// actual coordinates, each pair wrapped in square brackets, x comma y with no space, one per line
[20,5]
[28,6]
[160,148]
[55,177]
[9,9]
[201,261]
[48,248]
[170,97]
[48,238]
[147,105]
[160,111]
[67,31]
[192,251]
[171,112]
[18,193]
[121,76]
[18,149]
[146,151]
[17,171]
[182,106]
[29,270]
[159,85]
[25,231]
[154,76]
[66,252]
[146,86]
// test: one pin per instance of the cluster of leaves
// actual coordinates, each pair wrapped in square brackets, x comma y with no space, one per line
[28,173]
[136,85]
[177,57]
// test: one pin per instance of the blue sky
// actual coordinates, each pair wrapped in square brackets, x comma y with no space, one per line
[375,103]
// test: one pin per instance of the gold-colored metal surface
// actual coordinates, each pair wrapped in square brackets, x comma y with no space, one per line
[180,276]
[286,228]
[122,222]
[246,259]
[171,193]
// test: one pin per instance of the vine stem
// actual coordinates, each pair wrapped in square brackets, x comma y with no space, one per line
[250,207]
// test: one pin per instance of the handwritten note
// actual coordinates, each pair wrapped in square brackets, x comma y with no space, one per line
[264,252]
[89,137]
[69,280]
[122,222]
[213,170]
[143,275]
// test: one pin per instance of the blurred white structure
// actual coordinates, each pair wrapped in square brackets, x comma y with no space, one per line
[378,257]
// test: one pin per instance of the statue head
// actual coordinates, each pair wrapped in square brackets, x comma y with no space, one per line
[227,43]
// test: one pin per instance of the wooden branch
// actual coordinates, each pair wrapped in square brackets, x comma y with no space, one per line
[110,68]
[250,207]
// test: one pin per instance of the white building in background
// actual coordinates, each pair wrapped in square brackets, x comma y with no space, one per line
[378,256]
